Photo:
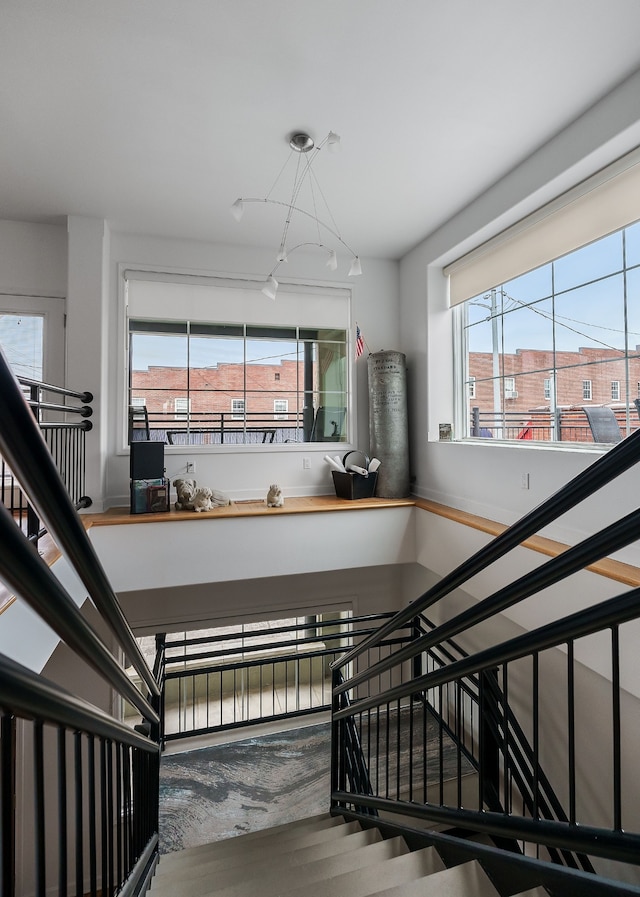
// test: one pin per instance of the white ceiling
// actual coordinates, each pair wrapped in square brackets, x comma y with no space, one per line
[157,114]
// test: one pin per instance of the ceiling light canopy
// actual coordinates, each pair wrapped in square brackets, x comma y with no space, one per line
[305,149]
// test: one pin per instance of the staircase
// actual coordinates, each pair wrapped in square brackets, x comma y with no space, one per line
[323,856]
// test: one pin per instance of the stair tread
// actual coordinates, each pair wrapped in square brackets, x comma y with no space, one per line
[261,859]
[324,823]
[227,852]
[270,884]
[459,881]
[395,873]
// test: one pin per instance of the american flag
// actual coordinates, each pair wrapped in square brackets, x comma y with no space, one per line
[359,343]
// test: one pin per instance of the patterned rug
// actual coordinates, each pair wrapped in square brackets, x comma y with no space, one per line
[225,790]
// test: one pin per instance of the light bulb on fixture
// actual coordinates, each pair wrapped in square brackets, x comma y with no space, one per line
[306,150]
[333,142]
[271,287]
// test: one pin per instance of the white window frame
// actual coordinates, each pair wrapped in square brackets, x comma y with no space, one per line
[472,387]
[283,412]
[615,390]
[547,388]
[510,391]
[238,409]
[52,309]
[587,391]
[181,411]
[312,304]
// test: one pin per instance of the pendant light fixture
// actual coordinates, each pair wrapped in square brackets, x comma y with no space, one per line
[304,149]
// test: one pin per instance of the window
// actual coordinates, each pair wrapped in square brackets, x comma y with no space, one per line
[280,409]
[237,409]
[138,402]
[472,387]
[181,407]
[565,330]
[32,337]
[208,376]
[510,391]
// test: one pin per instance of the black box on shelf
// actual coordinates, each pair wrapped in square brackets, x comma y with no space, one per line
[146,460]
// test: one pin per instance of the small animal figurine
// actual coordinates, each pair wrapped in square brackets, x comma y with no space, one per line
[206,499]
[185,491]
[275,498]
[202,499]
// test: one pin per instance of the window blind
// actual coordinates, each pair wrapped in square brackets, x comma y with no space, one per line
[606,202]
[169,297]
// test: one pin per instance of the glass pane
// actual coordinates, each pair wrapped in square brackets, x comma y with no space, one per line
[158,375]
[22,341]
[590,320]
[216,371]
[633,310]
[273,417]
[529,287]
[584,265]
[526,328]
[330,420]
[632,237]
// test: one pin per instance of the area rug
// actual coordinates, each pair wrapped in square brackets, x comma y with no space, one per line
[225,790]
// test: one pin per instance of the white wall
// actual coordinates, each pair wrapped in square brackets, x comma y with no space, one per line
[33,259]
[486,479]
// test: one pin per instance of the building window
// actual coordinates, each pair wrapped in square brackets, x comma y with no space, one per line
[280,409]
[181,407]
[472,387]
[567,328]
[237,409]
[207,375]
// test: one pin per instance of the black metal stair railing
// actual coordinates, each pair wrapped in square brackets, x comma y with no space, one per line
[229,680]
[86,820]
[64,425]
[494,708]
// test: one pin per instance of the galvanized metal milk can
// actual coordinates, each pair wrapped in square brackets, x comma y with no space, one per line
[388,422]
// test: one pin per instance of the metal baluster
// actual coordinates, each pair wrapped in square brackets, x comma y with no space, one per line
[110,883]
[536,735]
[616,723]
[104,821]
[62,812]
[118,808]
[38,794]
[78,791]
[571,727]
[91,758]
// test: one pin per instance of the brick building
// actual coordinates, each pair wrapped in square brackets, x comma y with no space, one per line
[530,390]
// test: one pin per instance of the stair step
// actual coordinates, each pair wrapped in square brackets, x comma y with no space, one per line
[227,852]
[393,874]
[460,881]
[322,823]
[262,860]
[271,884]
